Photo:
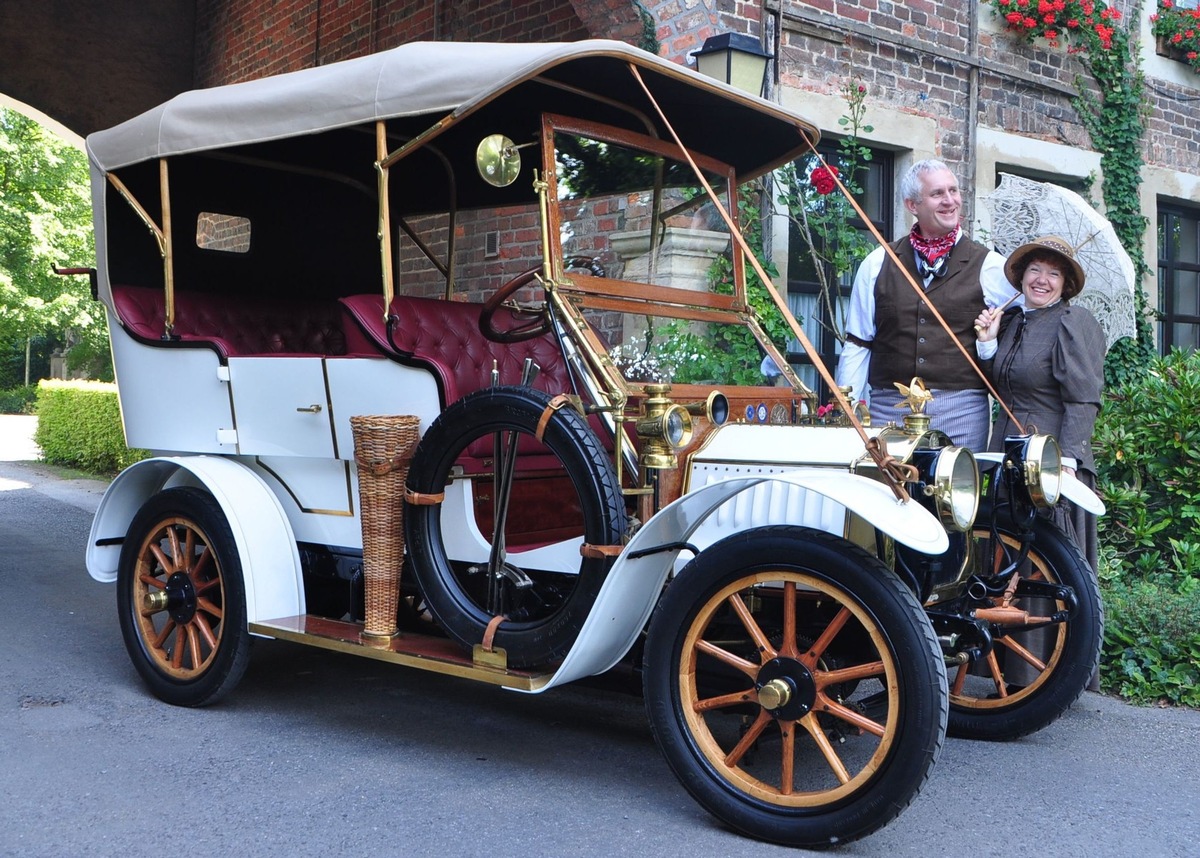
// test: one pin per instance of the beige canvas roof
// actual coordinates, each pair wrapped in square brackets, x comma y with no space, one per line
[441,78]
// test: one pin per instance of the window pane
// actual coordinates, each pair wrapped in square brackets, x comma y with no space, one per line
[228,233]
[1187,295]
[1185,242]
[1186,336]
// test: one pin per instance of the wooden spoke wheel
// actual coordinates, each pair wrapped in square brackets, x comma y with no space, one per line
[1031,676]
[792,684]
[182,600]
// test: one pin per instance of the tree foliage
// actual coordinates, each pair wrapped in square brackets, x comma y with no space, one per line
[45,220]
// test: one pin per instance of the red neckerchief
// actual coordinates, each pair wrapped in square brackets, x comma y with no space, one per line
[932,249]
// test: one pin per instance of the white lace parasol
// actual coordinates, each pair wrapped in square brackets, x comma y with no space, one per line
[1023,210]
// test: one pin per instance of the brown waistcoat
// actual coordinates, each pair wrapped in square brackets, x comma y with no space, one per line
[909,341]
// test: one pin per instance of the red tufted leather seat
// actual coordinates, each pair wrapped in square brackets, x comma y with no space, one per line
[445,335]
[235,326]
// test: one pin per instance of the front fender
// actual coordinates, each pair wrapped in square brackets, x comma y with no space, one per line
[1072,488]
[263,536]
[631,590]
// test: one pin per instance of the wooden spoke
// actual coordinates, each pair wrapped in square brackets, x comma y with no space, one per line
[165,563]
[737,698]
[205,630]
[193,642]
[209,608]
[789,649]
[813,725]
[847,674]
[161,640]
[810,658]
[1026,656]
[827,705]
[735,756]
[787,769]
[746,667]
[997,676]
[959,678]
[756,633]
[178,560]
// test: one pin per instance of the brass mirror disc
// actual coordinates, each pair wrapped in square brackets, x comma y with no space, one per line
[498,160]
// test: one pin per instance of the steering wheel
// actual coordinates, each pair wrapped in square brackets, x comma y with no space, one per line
[536,327]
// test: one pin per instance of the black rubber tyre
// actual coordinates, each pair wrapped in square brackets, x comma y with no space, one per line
[569,490]
[1032,678]
[800,615]
[181,598]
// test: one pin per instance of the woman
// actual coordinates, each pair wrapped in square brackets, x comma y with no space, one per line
[1046,360]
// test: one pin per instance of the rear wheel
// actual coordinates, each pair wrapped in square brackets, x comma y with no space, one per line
[795,686]
[181,598]
[1031,677]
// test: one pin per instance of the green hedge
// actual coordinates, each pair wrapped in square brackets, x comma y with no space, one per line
[1147,445]
[18,400]
[79,426]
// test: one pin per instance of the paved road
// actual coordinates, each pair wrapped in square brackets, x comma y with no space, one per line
[317,754]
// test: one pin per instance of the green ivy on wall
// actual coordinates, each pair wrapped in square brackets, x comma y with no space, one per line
[1113,111]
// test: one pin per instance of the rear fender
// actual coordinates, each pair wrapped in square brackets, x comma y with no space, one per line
[631,590]
[263,536]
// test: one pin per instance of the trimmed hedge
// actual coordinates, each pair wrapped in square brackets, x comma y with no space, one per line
[79,426]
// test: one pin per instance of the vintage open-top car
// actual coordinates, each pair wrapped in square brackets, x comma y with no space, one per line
[446,359]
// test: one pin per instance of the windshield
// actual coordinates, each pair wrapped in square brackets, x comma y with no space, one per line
[649,260]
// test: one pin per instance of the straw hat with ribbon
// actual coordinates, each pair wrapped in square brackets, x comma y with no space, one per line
[1054,247]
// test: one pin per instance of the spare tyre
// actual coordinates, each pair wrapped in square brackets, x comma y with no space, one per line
[516,456]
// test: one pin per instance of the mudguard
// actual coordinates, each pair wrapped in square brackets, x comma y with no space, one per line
[1072,489]
[631,590]
[264,538]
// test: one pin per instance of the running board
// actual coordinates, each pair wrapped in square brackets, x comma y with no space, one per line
[423,652]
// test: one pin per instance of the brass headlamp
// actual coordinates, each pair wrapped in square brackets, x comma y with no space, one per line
[663,429]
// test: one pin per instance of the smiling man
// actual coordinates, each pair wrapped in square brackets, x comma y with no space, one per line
[892,334]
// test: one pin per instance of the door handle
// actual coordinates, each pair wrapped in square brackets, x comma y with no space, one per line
[312,409]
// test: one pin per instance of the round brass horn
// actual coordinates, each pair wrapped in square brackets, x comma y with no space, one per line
[498,160]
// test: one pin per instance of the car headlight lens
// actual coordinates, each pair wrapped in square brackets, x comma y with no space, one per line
[1042,466]
[955,488]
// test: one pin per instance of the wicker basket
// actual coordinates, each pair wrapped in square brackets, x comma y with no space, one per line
[383,447]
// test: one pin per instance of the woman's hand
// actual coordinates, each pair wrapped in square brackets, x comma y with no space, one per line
[987,324]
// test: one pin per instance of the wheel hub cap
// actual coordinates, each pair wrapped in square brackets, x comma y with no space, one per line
[786,689]
[181,598]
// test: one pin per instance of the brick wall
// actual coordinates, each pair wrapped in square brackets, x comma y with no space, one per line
[244,39]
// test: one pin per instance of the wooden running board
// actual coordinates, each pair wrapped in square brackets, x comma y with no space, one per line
[424,652]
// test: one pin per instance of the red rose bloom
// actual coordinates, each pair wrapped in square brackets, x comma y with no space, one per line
[823,180]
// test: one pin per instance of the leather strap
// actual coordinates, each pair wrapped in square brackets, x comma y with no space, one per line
[421,499]
[551,408]
[489,634]
[597,552]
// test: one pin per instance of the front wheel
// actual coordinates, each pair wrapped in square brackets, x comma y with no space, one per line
[1031,676]
[181,599]
[795,686]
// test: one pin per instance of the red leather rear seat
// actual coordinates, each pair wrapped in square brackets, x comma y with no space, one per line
[235,326]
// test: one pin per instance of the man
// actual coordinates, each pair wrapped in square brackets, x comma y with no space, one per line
[891,333]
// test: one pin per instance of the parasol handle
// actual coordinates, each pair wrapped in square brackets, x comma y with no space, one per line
[1001,308]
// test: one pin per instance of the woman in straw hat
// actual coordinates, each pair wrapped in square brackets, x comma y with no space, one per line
[1046,360]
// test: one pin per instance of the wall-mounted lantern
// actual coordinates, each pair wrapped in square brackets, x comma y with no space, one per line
[736,59]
